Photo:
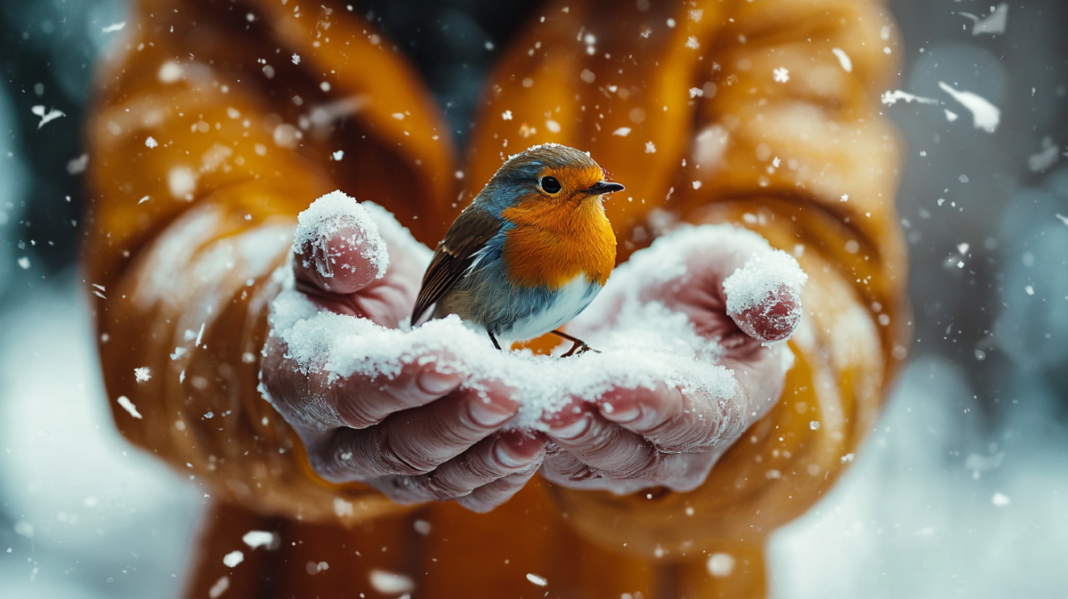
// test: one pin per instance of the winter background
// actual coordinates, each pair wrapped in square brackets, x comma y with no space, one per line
[959,491]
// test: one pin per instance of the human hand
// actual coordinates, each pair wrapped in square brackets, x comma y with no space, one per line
[414,435]
[631,439]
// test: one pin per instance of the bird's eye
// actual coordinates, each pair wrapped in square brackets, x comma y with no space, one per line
[550,184]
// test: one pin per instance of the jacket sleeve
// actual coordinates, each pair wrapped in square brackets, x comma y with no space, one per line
[212,129]
[762,114]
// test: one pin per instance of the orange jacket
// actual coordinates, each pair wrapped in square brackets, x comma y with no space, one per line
[763,114]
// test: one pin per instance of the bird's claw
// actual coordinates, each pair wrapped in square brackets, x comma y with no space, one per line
[578,349]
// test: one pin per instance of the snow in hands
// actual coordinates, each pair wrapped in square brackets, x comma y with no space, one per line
[647,343]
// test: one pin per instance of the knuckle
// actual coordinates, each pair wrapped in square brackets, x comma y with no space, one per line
[354,414]
[394,459]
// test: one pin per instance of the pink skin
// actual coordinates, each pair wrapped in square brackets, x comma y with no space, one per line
[416,437]
[634,439]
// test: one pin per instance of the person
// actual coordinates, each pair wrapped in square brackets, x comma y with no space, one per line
[216,123]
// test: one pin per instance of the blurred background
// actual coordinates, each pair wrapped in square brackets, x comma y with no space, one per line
[960,490]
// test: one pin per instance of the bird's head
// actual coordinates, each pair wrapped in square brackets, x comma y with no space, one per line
[549,173]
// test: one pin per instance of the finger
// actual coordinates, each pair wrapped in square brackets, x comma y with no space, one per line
[360,401]
[773,317]
[484,499]
[603,445]
[672,420]
[336,260]
[417,441]
[489,460]
[764,297]
[337,246]
[564,466]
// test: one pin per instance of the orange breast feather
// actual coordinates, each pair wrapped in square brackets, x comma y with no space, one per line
[556,240]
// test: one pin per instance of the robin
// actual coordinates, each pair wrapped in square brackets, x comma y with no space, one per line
[531,251]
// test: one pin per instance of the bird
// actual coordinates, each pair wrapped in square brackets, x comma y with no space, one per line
[530,252]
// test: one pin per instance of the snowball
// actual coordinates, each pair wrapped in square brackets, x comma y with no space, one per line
[760,277]
[325,217]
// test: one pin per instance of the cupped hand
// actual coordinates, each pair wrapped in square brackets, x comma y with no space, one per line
[633,439]
[416,436]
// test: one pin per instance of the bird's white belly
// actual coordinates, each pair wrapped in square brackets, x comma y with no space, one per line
[570,299]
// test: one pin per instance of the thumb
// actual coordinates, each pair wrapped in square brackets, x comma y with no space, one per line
[337,247]
[764,295]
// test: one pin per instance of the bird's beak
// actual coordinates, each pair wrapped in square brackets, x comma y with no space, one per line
[603,187]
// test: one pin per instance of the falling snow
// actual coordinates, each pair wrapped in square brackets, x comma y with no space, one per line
[46,117]
[128,406]
[843,59]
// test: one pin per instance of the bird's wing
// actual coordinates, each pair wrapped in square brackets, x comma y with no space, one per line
[455,254]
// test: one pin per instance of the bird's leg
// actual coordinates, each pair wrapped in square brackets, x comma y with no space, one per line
[493,339]
[579,345]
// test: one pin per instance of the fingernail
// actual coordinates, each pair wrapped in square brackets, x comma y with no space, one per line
[506,458]
[616,415]
[434,382]
[487,413]
[570,431]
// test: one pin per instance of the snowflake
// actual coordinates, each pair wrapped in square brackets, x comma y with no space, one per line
[650,148]
[693,43]
[782,75]
[506,115]
[296,59]
[142,374]
[151,143]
